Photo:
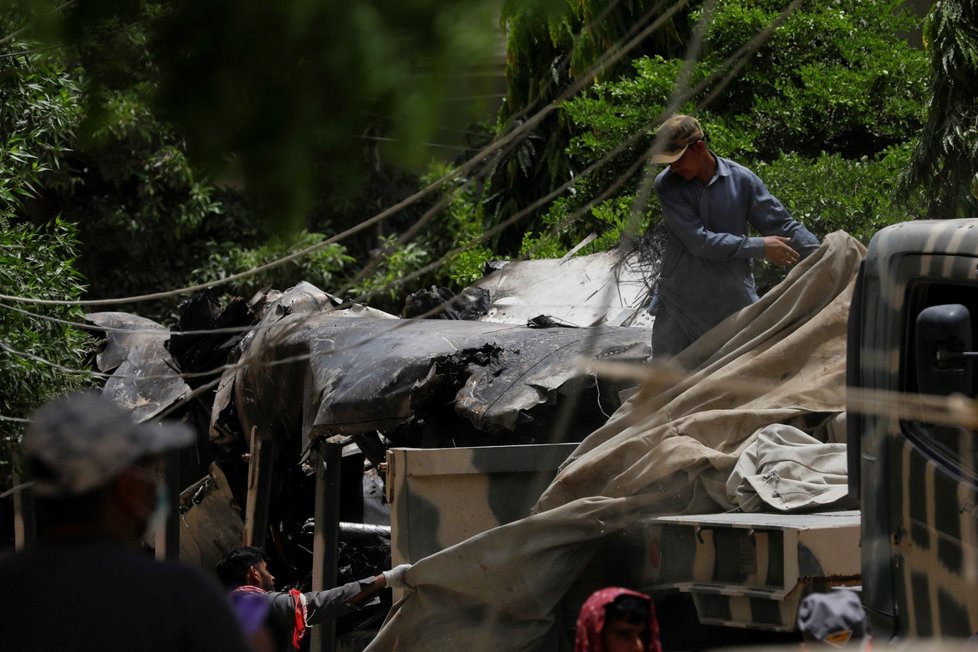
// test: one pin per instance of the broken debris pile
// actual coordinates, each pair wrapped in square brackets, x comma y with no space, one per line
[299,366]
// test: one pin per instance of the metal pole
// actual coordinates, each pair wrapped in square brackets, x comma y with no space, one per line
[326,537]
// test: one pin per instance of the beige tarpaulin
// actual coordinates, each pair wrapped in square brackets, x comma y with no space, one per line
[787,470]
[781,360]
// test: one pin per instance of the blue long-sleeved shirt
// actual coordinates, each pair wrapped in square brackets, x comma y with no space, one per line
[706,267]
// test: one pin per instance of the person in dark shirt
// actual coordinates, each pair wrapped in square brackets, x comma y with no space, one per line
[244,570]
[85,585]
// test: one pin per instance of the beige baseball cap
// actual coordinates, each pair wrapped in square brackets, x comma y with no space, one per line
[674,136]
[84,440]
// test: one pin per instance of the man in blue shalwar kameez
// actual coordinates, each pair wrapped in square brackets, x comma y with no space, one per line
[709,203]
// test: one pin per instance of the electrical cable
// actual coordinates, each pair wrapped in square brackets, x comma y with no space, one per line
[230,330]
[497,144]
[96,34]
[495,230]
[488,234]
[384,139]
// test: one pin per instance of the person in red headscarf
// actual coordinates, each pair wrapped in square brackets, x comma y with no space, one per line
[617,620]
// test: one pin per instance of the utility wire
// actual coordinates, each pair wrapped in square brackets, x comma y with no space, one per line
[475,160]
[385,139]
[95,35]
[487,235]
[86,326]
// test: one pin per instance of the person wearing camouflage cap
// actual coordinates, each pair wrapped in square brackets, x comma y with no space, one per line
[86,585]
[709,204]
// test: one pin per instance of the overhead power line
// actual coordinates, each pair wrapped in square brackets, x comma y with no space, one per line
[610,56]
[726,76]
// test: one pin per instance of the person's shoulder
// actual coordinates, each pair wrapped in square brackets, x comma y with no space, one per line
[737,170]
[732,166]
[665,179]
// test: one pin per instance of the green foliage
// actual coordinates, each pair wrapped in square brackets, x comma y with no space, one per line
[267,90]
[39,112]
[384,287]
[547,52]
[35,353]
[322,268]
[618,117]
[564,227]
[834,77]
[451,252]
[825,109]
[464,228]
[103,161]
[830,192]
[945,162]
[467,267]
[138,199]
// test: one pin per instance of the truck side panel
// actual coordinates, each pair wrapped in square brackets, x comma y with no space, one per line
[918,479]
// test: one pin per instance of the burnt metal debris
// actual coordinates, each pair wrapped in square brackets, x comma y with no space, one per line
[303,367]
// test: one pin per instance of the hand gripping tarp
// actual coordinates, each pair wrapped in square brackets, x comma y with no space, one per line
[663,451]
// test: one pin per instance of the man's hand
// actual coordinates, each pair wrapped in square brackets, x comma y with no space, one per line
[778,251]
[394,577]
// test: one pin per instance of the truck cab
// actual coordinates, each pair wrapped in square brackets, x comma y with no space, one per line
[914,464]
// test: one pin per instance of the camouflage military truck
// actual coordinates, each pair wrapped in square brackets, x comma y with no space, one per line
[910,549]
[912,331]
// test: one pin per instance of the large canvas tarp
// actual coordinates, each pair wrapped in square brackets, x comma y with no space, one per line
[781,360]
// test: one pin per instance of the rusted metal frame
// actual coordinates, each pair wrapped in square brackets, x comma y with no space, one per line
[259,490]
[326,538]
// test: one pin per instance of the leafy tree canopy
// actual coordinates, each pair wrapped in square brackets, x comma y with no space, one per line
[39,111]
[945,162]
[263,92]
[550,49]
[39,358]
[825,107]
[825,110]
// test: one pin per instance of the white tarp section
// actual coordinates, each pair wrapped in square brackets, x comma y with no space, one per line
[663,451]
